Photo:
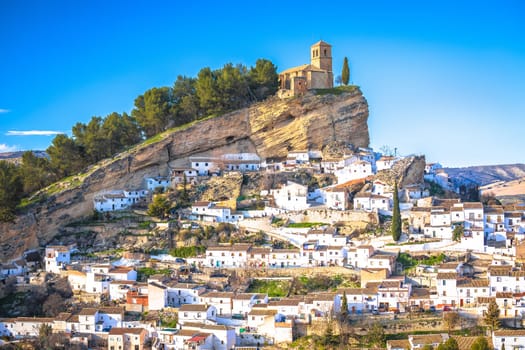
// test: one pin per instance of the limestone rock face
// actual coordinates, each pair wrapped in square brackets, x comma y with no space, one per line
[407,171]
[270,128]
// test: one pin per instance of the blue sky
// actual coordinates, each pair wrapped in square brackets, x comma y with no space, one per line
[442,78]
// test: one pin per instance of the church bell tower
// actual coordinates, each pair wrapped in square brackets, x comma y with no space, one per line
[321,56]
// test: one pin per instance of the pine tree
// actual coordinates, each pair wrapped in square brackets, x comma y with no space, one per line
[345,74]
[491,317]
[396,217]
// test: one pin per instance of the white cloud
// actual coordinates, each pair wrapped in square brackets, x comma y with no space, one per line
[6,148]
[3,110]
[33,133]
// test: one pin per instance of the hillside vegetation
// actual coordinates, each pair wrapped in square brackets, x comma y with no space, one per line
[211,93]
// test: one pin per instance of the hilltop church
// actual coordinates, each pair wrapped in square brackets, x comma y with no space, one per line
[316,75]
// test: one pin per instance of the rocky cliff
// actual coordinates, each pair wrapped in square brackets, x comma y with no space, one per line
[407,171]
[271,129]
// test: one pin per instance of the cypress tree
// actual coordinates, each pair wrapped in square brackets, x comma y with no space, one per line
[344,306]
[396,216]
[345,74]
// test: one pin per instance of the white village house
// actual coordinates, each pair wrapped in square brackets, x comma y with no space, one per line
[371,202]
[57,256]
[118,199]
[291,196]
[210,212]
[153,183]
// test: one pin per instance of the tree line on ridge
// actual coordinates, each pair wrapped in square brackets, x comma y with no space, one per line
[211,93]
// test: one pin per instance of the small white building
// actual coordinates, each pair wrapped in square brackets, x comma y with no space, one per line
[291,196]
[242,303]
[223,337]
[97,283]
[336,198]
[118,290]
[393,295]
[513,221]
[122,273]
[228,255]
[440,224]
[505,279]
[16,268]
[184,293]
[359,169]
[509,339]
[471,289]
[223,302]
[203,165]
[118,199]
[371,202]
[242,162]
[23,327]
[382,189]
[197,313]
[153,183]
[96,320]
[210,212]
[285,258]
[262,321]
[331,165]
[385,162]
[57,256]
[414,192]
[358,257]
[473,239]
[178,175]
[381,261]
[77,280]
[298,157]
[127,338]
[473,212]
[447,291]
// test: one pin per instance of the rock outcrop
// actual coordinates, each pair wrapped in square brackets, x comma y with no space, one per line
[407,171]
[271,129]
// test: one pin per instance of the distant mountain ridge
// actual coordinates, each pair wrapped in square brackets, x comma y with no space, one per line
[18,155]
[487,174]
